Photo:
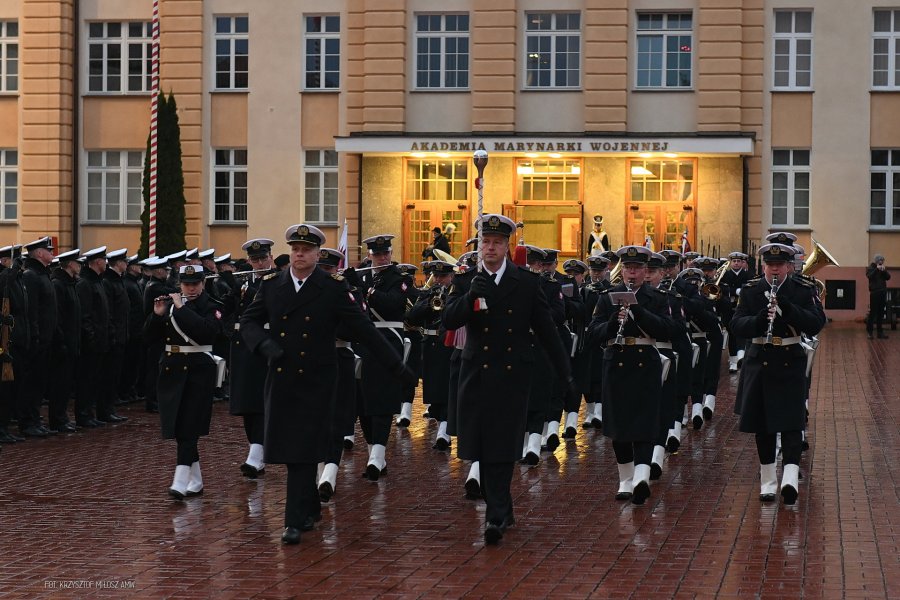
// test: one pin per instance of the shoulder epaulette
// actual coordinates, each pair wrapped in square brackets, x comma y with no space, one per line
[804,280]
[337,277]
[606,291]
[271,276]
[753,281]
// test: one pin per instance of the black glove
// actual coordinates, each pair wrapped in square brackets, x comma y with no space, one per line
[351,276]
[270,349]
[407,377]
[482,287]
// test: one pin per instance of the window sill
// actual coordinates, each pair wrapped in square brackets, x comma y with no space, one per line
[884,90]
[228,224]
[776,90]
[111,223]
[327,225]
[883,229]
[552,89]
[229,91]
[9,94]
[789,228]
[116,94]
[320,91]
[656,90]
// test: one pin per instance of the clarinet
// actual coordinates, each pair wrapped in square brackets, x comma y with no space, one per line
[620,335]
[773,300]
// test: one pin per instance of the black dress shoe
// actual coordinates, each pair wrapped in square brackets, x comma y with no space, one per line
[151,407]
[68,428]
[326,491]
[114,418]
[552,442]
[869,335]
[310,522]
[49,430]
[176,494]
[641,493]
[348,444]
[403,422]
[531,459]
[473,489]
[290,535]
[86,423]
[372,473]
[492,534]
[587,425]
[597,423]
[33,431]
[655,471]
[697,422]
[442,445]
[570,433]
[509,521]
[623,495]
[767,497]
[672,445]
[789,494]
[8,438]
[252,472]
[882,336]
[707,413]
[99,422]
[190,494]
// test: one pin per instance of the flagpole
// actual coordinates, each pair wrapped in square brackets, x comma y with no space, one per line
[154,112]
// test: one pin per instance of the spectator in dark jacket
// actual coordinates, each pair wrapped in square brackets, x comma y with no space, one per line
[878,276]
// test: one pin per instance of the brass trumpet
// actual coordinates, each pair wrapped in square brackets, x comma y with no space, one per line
[438,300]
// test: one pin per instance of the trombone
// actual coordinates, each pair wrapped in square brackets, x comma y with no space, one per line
[713,291]
[237,274]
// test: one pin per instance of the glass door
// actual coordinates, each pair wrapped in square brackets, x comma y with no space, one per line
[661,205]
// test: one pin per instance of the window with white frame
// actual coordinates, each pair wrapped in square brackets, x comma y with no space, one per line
[9,56]
[232,43]
[114,179]
[790,187]
[442,51]
[552,50]
[664,50]
[320,173]
[323,53]
[9,185]
[230,185]
[119,57]
[886,49]
[884,203]
[793,49]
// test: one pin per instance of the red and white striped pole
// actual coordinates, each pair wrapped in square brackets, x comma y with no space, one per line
[154,112]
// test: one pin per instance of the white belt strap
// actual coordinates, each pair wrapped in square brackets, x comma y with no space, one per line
[430,331]
[634,341]
[664,345]
[701,335]
[237,326]
[188,349]
[778,341]
[388,325]
[341,344]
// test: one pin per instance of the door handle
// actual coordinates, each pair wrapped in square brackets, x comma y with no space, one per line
[687,207]
[461,206]
[634,207]
[410,206]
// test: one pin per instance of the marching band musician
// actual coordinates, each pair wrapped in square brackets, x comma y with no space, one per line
[497,364]
[188,322]
[703,325]
[681,341]
[427,314]
[384,291]
[414,335]
[598,269]
[772,313]
[576,317]
[344,420]
[632,371]
[720,307]
[732,282]
[248,370]
[304,307]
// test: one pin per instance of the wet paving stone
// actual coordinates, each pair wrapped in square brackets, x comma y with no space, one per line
[87,514]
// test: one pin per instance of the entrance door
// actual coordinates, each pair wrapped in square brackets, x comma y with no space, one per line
[423,216]
[661,203]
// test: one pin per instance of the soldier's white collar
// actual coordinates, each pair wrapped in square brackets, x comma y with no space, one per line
[499,273]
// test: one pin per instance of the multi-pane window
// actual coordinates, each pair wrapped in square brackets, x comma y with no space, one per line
[664,47]
[437,179]
[320,173]
[119,57]
[793,49]
[790,187]
[323,52]
[553,50]
[884,203]
[548,180]
[886,49]
[442,51]
[114,181]
[9,56]
[662,180]
[9,185]
[232,52]
[230,185]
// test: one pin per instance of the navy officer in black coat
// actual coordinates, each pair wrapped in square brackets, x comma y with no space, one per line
[304,307]
[498,363]
[772,389]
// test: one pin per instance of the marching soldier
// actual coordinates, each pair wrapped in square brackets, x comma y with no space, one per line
[435,354]
[598,269]
[157,285]
[720,307]
[175,261]
[132,383]
[67,342]
[384,291]
[732,282]
[112,361]
[497,365]
[572,335]
[248,370]
[188,323]
[304,306]
[414,335]
[702,323]
[632,370]
[772,313]
[678,293]
[42,318]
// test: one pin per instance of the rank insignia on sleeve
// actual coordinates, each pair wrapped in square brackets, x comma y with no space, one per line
[403,286]
[270,276]
[218,315]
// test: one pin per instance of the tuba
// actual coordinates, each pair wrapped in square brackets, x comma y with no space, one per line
[818,258]
[615,275]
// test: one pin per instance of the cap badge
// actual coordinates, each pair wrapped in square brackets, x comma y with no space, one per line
[380,240]
[303,230]
[255,246]
[494,221]
[189,270]
[632,251]
[775,250]
[323,253]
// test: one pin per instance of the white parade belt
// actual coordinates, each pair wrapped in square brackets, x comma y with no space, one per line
[430,331]
[777,341]
[664,345]
[187,349]
[341,344]
[633,341]
[237,326]
[388,325]
[696,335]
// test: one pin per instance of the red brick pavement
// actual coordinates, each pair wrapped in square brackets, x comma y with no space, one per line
[90,509]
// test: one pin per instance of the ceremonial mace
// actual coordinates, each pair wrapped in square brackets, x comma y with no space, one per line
[481,159]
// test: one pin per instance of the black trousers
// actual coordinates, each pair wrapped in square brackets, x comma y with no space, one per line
[153,355]
[9,392]
[376,428]
[496,479]
[187,452]
[254,427]
[33,385]
[791,447]
[132,360]
[639,452]
[876,311]
[302,494]
[61,385]
[111,364]
[438,412]
[89,385]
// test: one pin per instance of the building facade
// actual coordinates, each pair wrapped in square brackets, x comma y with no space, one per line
[676,120]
